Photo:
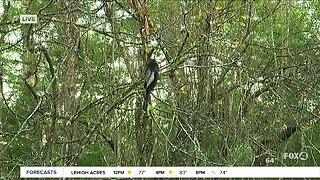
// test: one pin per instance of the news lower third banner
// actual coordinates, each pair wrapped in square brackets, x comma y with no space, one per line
[167,172]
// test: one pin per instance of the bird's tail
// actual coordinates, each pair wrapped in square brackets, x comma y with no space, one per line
[146,100]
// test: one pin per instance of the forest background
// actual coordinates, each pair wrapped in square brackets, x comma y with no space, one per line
[239,83]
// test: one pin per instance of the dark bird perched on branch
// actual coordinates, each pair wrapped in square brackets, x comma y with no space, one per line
[150,81]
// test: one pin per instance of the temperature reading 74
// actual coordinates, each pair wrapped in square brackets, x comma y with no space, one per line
[223,171]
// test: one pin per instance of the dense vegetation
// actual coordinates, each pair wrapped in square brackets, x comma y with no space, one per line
[239,83]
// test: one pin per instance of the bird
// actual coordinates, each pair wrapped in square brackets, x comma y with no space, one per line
[150,81]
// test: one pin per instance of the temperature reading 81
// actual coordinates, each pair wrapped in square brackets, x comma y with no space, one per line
[269,160]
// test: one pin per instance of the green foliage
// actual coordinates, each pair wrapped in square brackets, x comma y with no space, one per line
[235,75]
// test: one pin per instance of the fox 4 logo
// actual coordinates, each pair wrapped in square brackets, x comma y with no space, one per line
[295,156]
